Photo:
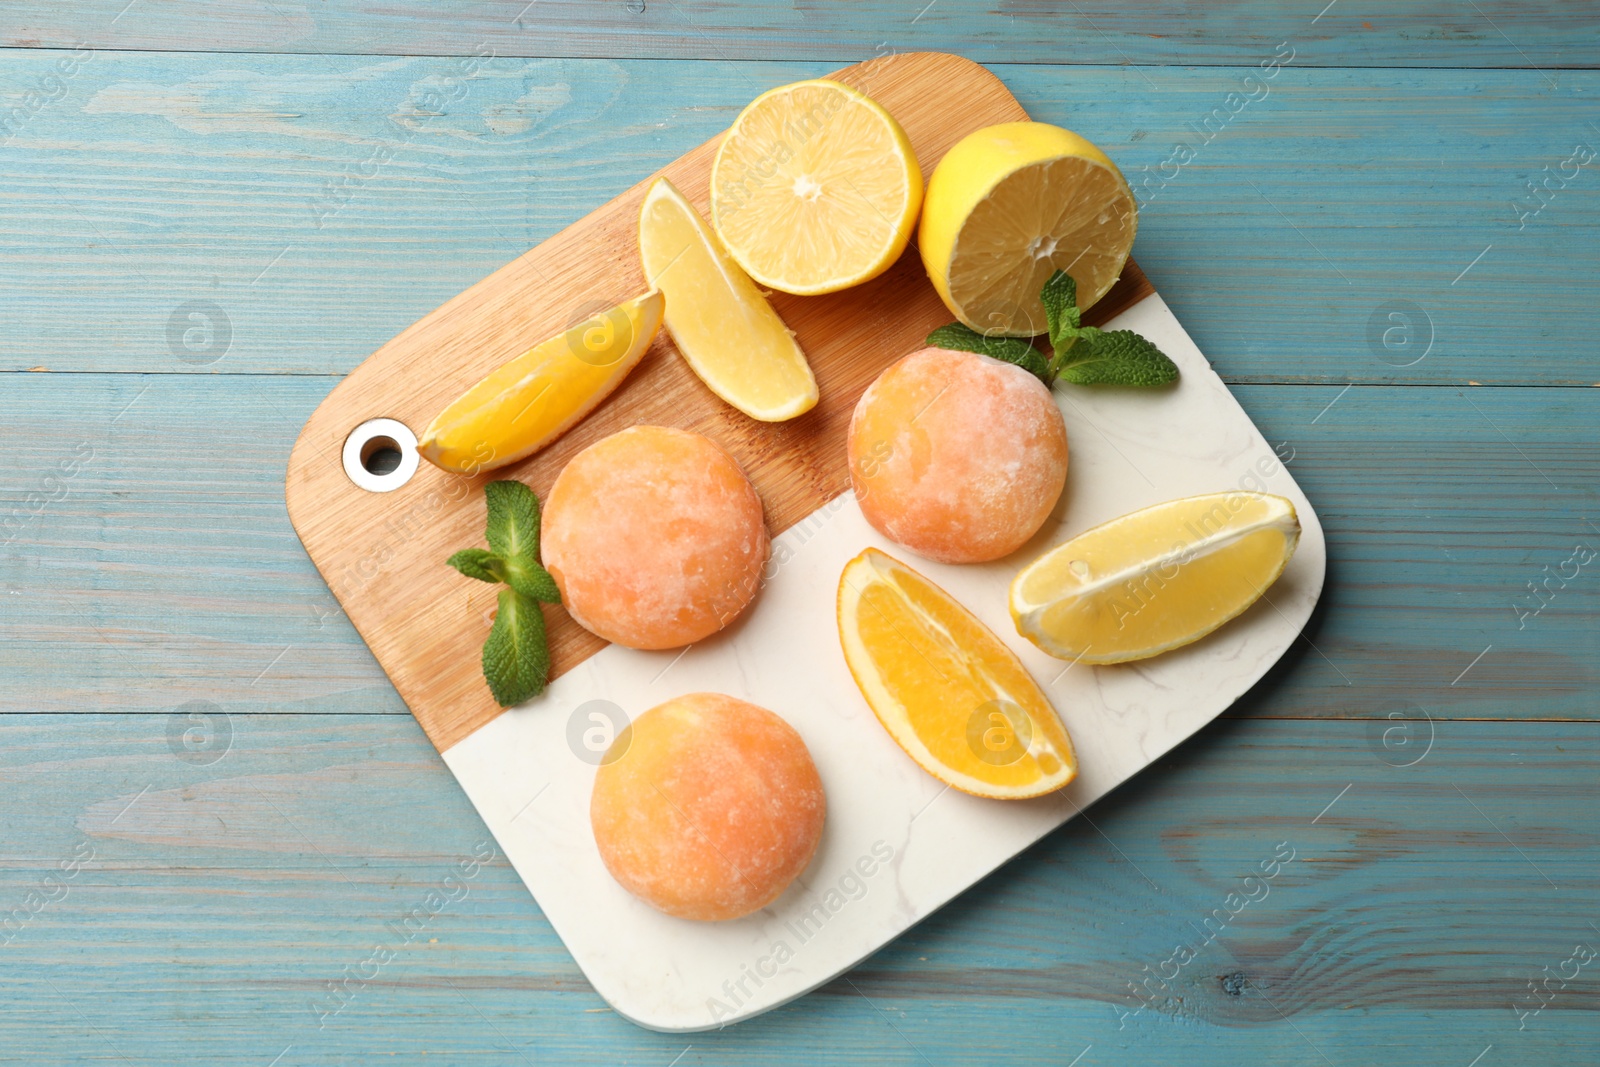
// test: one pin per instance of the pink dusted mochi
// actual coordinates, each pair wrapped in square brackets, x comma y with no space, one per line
[957,456]
[654,537]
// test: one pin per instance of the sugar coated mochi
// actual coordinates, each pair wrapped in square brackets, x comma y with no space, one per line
[654,537]
[707,807]
[957,456]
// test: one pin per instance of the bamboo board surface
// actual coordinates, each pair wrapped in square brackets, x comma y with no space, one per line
[383,554]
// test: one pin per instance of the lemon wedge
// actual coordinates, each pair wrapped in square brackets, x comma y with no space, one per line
[719,320]
[950,693]
[524,404]
[815,188]
[1155,579]
[1011,204]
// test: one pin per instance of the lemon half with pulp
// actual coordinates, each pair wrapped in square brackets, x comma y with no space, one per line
[815,188]
[1011,204]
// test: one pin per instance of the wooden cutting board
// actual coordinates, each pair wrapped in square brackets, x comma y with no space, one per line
[383,553]
[897,844]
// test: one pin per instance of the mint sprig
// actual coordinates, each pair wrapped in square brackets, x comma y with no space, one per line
[516,655]
[1081,355]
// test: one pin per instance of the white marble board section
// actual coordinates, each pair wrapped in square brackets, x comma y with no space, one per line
[898,843]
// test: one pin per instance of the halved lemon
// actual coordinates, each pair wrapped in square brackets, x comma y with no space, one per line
[718,318]
[1155,579]
[815,188]
[948,691]
[1011,204]
[526,403]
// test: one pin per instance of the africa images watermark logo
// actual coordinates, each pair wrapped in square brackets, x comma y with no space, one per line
[814,913]
[452,888]
[1253,888]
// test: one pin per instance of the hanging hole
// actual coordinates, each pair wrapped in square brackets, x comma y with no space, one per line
[380,455]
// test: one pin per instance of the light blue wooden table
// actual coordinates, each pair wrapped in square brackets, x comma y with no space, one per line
[213,805]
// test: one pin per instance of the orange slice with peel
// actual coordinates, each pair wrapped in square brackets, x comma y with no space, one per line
[950,693]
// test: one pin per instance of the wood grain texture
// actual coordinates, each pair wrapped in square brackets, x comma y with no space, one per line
[1412,33]
[427,628]
[221,899]
[319,205]
[166,570]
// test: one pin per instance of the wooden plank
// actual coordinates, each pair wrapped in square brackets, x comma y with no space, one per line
[211,904]
[317,206]
[1521,33]
[164,570]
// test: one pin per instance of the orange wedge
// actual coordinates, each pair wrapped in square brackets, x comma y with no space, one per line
[945,687]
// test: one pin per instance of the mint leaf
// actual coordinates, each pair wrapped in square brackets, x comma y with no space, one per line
[1060,299]
[516,662]
[516,655]
[1117,357]
[478,563]
[531,580]
[513,520]
[1086,355]
[960,337]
